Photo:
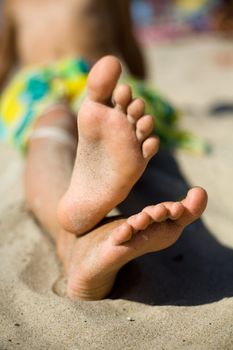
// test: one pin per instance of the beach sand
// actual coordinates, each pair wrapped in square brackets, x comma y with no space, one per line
[180,298]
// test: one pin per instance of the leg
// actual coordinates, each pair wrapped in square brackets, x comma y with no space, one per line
[93,260]
[48,168]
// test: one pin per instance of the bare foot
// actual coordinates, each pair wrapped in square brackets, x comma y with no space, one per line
[113,150]
[95,258]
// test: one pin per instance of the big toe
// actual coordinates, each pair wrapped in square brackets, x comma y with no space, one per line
[194,204]
[103,78]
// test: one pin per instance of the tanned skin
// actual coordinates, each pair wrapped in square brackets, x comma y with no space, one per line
[41,31]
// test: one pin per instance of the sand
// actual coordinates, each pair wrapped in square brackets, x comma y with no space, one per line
[181,298]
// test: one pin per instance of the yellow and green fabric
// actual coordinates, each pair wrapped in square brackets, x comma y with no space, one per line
[33,90]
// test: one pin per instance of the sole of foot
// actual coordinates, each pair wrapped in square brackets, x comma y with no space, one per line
[114,148]
[97,257]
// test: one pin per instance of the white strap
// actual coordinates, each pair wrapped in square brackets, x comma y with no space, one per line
[56,134]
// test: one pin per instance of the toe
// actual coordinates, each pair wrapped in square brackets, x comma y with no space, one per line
[149,147]
[175,209]
[121,234]
[157,213]
[103,78]
[194,205]
[144,127]
[135,110]
[140,221]
[122,97]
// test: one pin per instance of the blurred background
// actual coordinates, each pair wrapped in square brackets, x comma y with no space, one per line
[189,47]
[167,19]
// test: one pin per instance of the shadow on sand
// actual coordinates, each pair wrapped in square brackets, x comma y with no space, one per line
[196,270]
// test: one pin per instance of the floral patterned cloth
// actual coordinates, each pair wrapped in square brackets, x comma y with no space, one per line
[34,90]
